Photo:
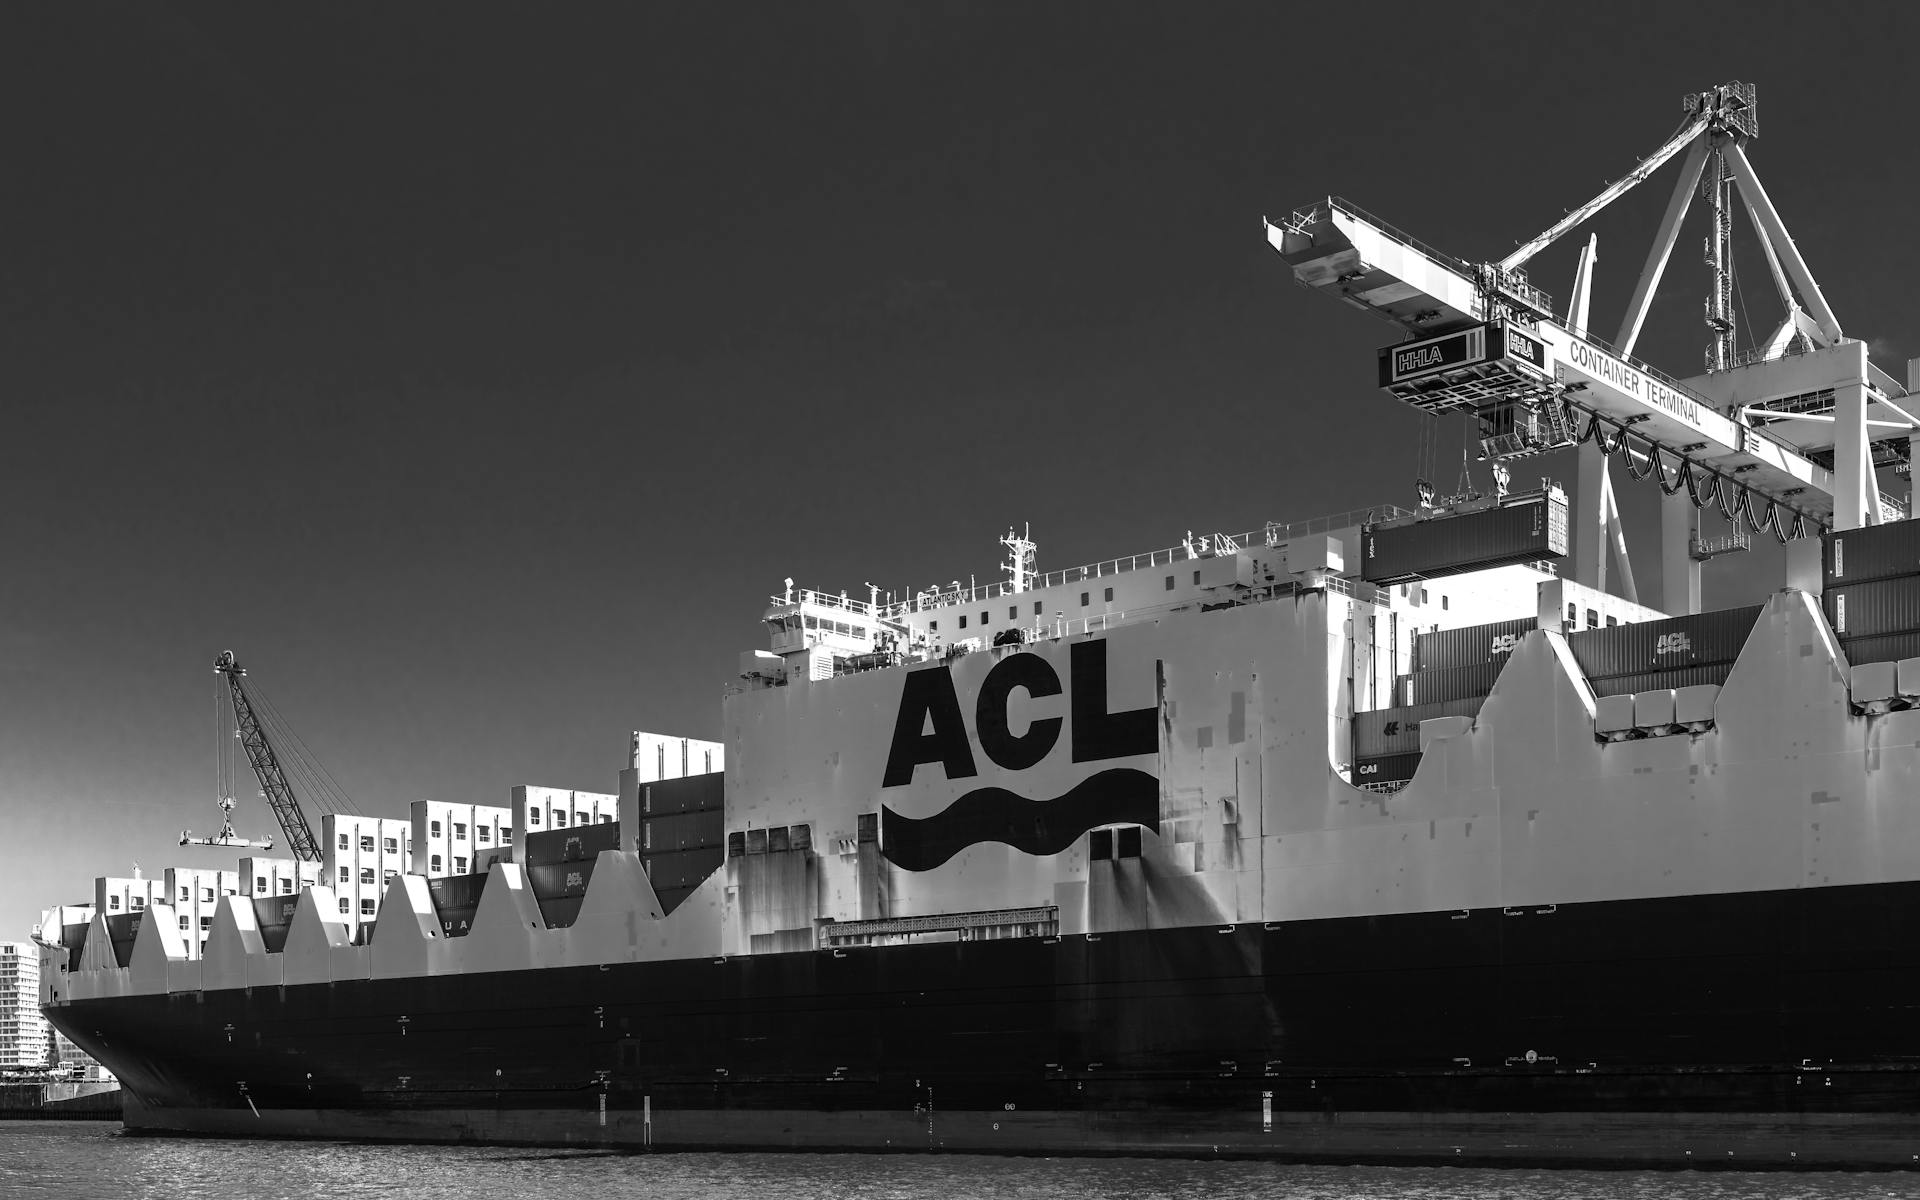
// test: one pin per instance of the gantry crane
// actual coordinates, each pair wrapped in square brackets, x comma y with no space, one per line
[1787,437]
[266,767]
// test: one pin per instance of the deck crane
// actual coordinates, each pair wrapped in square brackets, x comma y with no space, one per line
[1788,436]
[266,766]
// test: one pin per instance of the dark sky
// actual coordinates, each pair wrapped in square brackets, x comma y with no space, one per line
[476,373]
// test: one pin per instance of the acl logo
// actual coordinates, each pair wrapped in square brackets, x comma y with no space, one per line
[931,729]
[1503,643]
[1673,643]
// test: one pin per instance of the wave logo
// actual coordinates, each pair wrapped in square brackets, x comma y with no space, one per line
[931,728]
[1672,643]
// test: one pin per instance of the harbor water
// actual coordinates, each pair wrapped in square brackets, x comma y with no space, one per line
[95,1161]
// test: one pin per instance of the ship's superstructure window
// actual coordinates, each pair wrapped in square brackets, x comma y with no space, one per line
[433,829]
[1085,599]
[1593,619]
[459,865]
[113,904]
[1013,614]
[963,620]
[366,845]
[1109,595]
[559,819]
[366,875]
[934,626]
[506,837]
[533,816]
[260,884]
[286,887]
[459,831]
[186,894]
[433,863]
[1169,583]
[206,922]
[135,904]
[1039,606]
[392,845]
[366,908]
[983,618]
[346,874]
[346,906]
[482,835]
[1196,579]
[344,843]
[186,923]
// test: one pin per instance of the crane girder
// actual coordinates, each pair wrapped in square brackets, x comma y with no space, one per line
[266,765]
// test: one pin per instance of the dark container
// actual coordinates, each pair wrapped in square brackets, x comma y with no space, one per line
[1653,681]
[1526,530]
[1397,730]
[1457,683]
[1870,553]
[1699,640]
[559,911]
[1874,609]
[693,793]
[74,938]
[683,831]
[548,880]
[457,920]
[682,868]
[1473,646]
[273,914]
[1391,768]
[672,898]
[456,891]
[122,928]
[1887,648]
[577,844]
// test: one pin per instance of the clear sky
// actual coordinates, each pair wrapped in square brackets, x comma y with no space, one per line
[476,374]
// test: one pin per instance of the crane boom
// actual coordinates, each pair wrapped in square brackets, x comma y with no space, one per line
[266,765]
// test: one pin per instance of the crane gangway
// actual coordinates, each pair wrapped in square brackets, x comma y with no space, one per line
[1460,353]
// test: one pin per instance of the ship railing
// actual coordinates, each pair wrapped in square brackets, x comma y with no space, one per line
[1272,534]
[823,600]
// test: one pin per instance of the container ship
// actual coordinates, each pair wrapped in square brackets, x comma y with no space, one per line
[1394,835]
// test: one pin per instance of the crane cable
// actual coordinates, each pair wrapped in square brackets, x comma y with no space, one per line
[1733,500]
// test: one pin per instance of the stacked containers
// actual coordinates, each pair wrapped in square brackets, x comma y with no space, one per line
[1453,670]
[1871,591]
[1655,655]
[456,898]
[560,865]
[682,833]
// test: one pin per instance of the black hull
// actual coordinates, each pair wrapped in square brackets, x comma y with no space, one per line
[1774,1028]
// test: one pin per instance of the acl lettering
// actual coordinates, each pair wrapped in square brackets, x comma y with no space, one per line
[931,727]
[1673,643]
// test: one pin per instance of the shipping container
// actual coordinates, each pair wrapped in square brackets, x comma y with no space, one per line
[575,844]
[456,920]
[681,868]
[1871,552]
[1875,609]
[1474,646]
[1392,768]
[1524,530]
[683,831]
[546,880]
[691,793]
[559,912]
[456,891]
[122,928]
[1696,640]
[1886,648]
[1650,681]
[1457,683]
[672,898]
[273,914]
[1397,730]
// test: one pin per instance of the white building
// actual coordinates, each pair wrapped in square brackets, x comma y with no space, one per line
[195,895]
[23,1031]
[452,839]
[363,853]
[537,809]
[114,894]
[657,756]
[277,876]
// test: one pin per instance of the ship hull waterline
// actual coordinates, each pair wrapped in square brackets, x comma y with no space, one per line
[1765,1029]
